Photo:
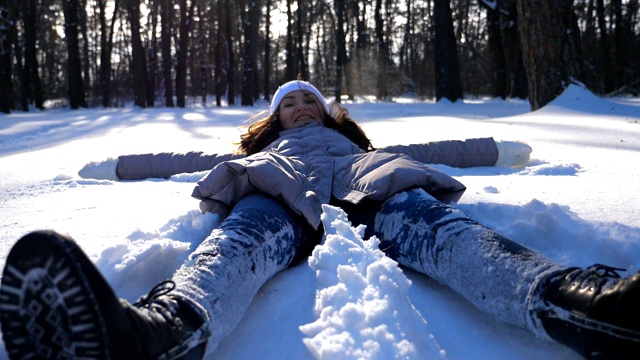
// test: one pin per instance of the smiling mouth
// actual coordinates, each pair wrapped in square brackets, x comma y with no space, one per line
[303,118]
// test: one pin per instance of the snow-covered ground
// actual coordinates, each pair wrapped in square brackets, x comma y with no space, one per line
[576,201]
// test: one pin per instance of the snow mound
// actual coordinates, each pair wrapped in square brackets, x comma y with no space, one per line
[576,98]
[362,307]
[148,257]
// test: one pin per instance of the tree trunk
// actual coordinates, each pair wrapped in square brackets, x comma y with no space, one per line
[250,68]
[219,52]
[620,41]
[266,67]
[494,46]
[517,76]
[186,14]
[86,68]
[106,45]
[74,64]
[138,62]
[21,72]
[447,70]
[407,37]
[231,70]
[166,20]
[341,47]
[548,34]
[381,84]
[606,74]
[631,66]
[32,85]
[204,62]
[290,47]
[153,51]
[6,36]
[301,59]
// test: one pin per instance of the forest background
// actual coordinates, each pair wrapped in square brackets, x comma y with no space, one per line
[99,53]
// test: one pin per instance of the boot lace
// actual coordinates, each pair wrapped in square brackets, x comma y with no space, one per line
[596,277]
[169,327]
[157,300]
[157,291]
[605,270]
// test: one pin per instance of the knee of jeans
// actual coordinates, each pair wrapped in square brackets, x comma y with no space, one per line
[412,207]
[257,201]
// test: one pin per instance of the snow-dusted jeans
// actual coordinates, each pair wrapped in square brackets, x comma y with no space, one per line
[261,237]
[497,275]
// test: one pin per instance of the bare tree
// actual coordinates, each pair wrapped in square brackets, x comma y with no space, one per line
[203,54]
[138,61]
[106,48]
[85,59]
[383,50]
[353,47]
[231,59]
[31,85]
[494,46]
[447,75]
[152,47]
[74,64]
[341,46]
[184,28]
[266,67]
[290,47]
[549,37]
[166,27]
[219,54]
[7,30]
[251,24]
[512,49]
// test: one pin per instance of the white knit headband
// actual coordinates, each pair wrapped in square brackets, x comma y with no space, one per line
[295,85]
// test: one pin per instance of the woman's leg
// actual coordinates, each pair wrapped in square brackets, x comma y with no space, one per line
[54,303]
[594,311]
[495,274]
[259,238]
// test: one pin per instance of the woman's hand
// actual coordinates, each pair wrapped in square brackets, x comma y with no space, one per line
[512,154]
[103,170]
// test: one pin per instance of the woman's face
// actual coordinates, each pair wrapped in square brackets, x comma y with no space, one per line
[300,108]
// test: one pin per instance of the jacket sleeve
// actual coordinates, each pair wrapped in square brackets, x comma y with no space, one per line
[378,175]
[455,153]
[223,186]
[164,165]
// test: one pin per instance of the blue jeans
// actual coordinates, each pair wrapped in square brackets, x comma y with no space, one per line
[497,275]
[261,237]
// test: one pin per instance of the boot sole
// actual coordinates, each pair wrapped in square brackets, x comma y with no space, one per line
[47,306]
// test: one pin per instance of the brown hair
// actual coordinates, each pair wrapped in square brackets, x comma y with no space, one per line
[266,130]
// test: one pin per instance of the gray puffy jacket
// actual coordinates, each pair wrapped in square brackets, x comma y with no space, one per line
[308,165]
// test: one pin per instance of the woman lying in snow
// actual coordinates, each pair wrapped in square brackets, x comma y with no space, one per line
[53,301]
[461,154]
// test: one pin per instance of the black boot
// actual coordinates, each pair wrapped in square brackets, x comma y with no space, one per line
[594,312]
[54,303]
